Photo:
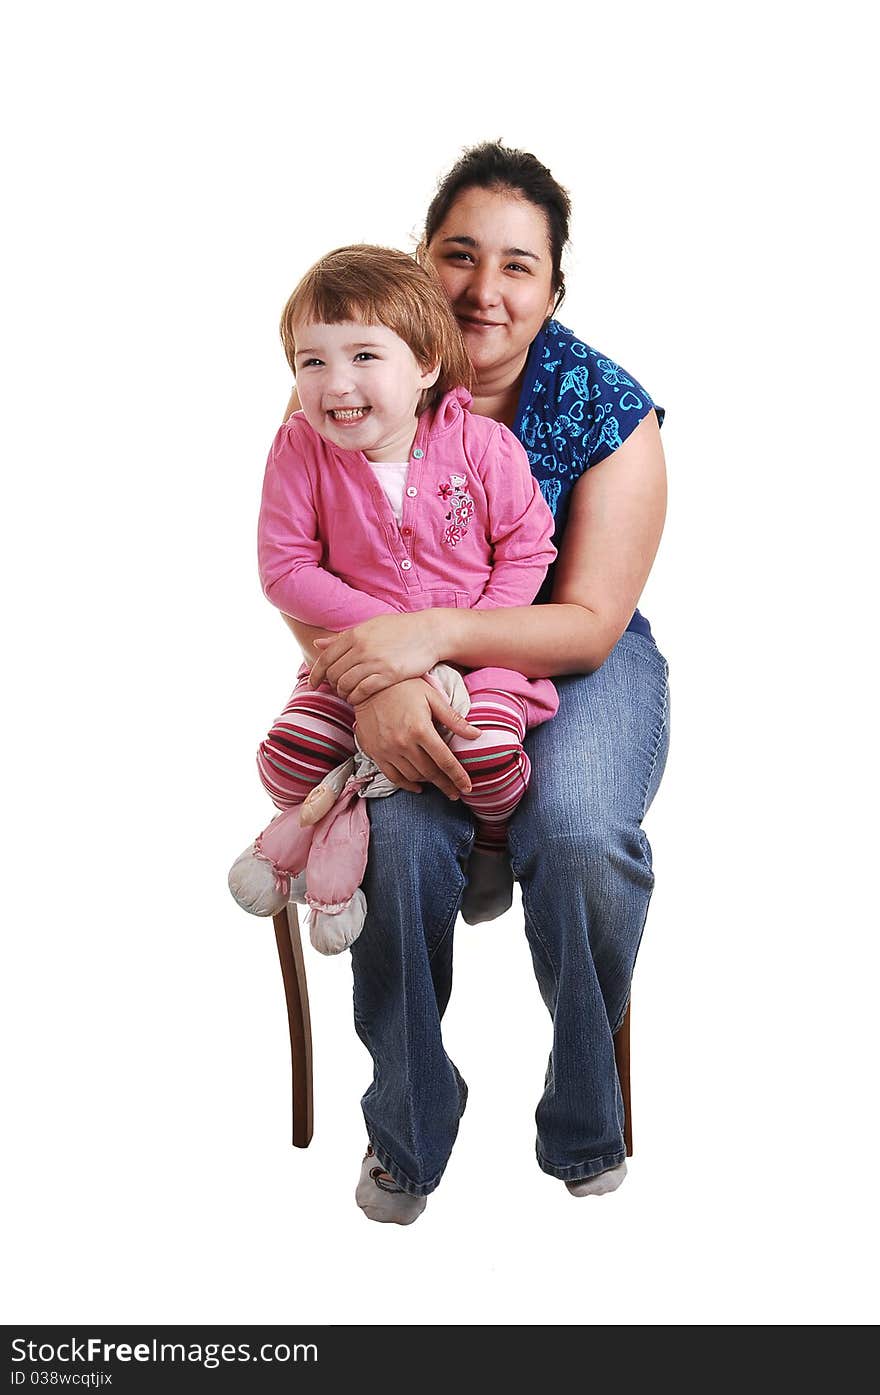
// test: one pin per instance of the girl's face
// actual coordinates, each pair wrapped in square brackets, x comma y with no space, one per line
[492,253]
[359,386]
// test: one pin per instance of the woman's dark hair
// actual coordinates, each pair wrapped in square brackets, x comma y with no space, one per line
[495,166]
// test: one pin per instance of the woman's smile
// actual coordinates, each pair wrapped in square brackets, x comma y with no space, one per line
[492,254]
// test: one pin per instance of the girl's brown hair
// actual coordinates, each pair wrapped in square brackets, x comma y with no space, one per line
[377,285]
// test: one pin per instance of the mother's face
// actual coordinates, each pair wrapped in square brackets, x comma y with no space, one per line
[492,253]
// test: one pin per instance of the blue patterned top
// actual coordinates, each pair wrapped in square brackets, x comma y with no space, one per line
[576,407]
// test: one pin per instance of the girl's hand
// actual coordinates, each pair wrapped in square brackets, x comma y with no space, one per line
[361,662]
[396,728]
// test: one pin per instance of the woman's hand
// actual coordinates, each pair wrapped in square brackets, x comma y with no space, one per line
[363,661]
[396,728]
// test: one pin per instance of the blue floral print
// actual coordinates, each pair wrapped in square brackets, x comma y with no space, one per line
[576,407]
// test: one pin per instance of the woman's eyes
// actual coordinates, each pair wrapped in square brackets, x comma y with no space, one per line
[466,256]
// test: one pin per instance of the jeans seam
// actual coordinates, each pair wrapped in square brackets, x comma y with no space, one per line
[530,924]
[453,914]
[658,741]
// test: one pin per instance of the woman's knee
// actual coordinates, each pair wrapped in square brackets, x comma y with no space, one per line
[414,879]
[582,845]
[417,838]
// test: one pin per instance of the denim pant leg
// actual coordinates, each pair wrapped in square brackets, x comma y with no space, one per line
[584,863]
[402,965]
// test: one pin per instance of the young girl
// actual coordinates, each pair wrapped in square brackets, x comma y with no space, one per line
[385,494]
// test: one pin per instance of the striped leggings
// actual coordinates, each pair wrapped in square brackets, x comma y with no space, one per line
[314,734]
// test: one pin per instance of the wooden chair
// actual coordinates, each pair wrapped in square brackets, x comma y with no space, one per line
[293,971]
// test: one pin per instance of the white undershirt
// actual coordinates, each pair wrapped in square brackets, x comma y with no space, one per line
[391,474]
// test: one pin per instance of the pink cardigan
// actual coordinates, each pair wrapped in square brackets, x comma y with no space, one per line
[475,531]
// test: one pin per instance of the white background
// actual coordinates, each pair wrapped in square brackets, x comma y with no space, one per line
[173,169]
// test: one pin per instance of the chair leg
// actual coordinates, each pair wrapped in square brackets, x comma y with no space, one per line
[293,971]
[621,1056]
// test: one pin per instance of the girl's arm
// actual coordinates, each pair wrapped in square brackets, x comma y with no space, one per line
[614,528]
[305,636]
[289,546]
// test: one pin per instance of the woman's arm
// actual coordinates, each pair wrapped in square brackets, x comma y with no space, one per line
[614,527]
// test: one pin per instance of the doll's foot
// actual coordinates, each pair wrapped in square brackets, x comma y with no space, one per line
[331,934]
[489,890]
[380,1198]
[253,884]
[600,1183]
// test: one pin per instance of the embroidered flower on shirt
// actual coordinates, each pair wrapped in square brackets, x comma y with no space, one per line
[454,491]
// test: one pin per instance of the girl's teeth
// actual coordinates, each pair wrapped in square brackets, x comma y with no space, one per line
[350,414]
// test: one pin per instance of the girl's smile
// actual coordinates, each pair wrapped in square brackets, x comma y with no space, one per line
[360,387]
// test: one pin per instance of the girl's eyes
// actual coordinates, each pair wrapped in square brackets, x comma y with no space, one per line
[364,356]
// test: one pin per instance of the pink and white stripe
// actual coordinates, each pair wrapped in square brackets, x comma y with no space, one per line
[314,734]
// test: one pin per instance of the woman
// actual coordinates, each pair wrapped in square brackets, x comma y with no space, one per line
[495,233]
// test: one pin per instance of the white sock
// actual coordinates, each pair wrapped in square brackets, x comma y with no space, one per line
[489,890]
[600,1183]
[380,1198]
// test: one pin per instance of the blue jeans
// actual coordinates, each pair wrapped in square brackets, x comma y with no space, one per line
[584,865]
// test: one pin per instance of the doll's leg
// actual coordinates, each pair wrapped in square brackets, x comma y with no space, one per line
[312,736]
